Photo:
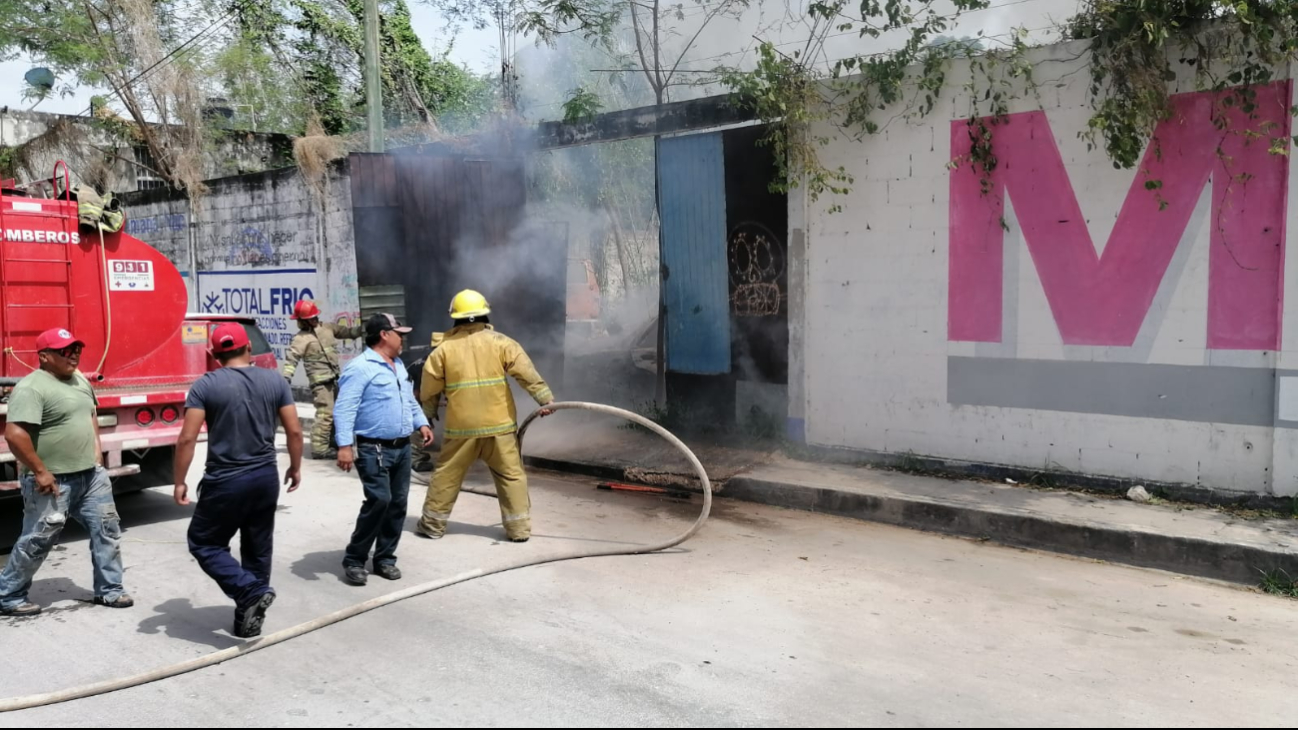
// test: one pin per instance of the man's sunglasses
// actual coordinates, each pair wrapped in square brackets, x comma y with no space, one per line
[69,351]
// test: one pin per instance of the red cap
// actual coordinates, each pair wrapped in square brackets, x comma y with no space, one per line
[228,337]
[306,309]
[56,339]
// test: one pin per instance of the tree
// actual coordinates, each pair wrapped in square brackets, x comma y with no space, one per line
[592,18]
[662,35]
[277,63]
[654,26]
[612,183]
[323,40]
[120,45]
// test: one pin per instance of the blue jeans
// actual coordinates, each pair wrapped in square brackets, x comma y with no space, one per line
[87,497]
[244,504]
[385,473]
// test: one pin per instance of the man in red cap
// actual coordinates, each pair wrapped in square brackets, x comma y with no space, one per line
[242,405]
[53,431]
[316,347]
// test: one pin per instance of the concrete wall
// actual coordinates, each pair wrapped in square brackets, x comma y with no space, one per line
[1068,318]
[255,244]
[90,148]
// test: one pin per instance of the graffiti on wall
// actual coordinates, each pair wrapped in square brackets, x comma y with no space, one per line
[350,347]
[1103,298]
[143,227]
[267,296]
[254,247]
[756,262]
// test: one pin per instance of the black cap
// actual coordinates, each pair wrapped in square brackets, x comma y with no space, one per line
[380,323]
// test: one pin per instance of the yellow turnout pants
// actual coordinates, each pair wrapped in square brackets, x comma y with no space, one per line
[501,455]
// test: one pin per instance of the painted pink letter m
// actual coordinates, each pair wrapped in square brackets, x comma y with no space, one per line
[1103,299]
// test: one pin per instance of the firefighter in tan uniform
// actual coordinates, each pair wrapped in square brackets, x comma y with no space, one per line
[470,366]
[316,347]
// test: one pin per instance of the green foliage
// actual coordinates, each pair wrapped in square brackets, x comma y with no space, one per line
[1136,48]
[794,101]
[277,63]
[581,105]
[784,93]
[1135,44]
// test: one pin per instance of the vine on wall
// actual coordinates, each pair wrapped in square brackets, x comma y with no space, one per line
[1135,49]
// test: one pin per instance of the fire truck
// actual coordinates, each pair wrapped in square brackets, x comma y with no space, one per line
[127,302]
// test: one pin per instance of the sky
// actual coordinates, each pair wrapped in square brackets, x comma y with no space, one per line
[474,48]
[727,40]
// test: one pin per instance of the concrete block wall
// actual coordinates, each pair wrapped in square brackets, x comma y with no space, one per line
[926,323]
[254,244]
[84,144]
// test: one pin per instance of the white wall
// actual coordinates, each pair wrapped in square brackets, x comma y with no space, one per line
[877,350]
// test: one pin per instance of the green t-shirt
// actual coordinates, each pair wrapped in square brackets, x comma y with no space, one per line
[64,411]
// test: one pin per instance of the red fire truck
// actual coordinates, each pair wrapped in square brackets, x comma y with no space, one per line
[127,302]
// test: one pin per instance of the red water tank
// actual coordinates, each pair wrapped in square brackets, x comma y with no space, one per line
[115,292]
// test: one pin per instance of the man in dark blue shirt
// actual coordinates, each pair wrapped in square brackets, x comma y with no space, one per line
[242,405]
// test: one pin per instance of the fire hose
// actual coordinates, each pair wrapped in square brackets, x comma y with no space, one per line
[235,652]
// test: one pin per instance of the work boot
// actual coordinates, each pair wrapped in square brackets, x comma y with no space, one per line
[388,571]
[428,534]
[26,608]
[519,538]
[249,619]
[330,455]
[423,467]
[122,601]
[356,575]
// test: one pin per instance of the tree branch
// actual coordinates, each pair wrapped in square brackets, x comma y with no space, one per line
[639,47]
[713,14]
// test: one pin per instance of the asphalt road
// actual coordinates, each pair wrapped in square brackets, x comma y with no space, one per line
[768,617]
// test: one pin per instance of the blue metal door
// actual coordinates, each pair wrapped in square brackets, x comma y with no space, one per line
[696,290]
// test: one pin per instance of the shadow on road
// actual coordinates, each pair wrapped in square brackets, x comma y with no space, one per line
[180,619]
[315,566]
[137,509]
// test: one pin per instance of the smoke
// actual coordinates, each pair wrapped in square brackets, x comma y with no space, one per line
[701,36]
[538,284]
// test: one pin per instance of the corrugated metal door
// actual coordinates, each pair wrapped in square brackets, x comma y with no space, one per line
[692,191]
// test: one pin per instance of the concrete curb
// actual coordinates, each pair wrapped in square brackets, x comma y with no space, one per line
[1205,558]
[1217,559]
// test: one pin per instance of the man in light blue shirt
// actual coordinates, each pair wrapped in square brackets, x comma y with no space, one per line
[374,417]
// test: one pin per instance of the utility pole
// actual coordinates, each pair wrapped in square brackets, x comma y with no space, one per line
[373,82]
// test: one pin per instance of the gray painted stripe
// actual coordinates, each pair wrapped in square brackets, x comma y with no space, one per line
[1244,396]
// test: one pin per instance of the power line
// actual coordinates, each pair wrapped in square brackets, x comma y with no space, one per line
[954,41]
[857,32]
[174,53]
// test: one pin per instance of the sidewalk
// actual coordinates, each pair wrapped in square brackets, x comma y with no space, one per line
[1198,541]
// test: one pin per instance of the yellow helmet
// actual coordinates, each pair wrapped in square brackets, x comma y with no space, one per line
[469,304]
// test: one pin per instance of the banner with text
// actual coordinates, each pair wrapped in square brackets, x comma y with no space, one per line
[265,295]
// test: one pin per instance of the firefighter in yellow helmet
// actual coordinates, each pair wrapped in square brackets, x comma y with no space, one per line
[470,366]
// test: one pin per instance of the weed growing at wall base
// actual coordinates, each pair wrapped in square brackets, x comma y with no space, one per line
[1278,583]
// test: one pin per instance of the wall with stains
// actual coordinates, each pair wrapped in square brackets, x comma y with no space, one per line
[112,161]
[255,244]
[1058,313]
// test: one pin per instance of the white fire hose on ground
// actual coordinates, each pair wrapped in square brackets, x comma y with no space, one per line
[113,685]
